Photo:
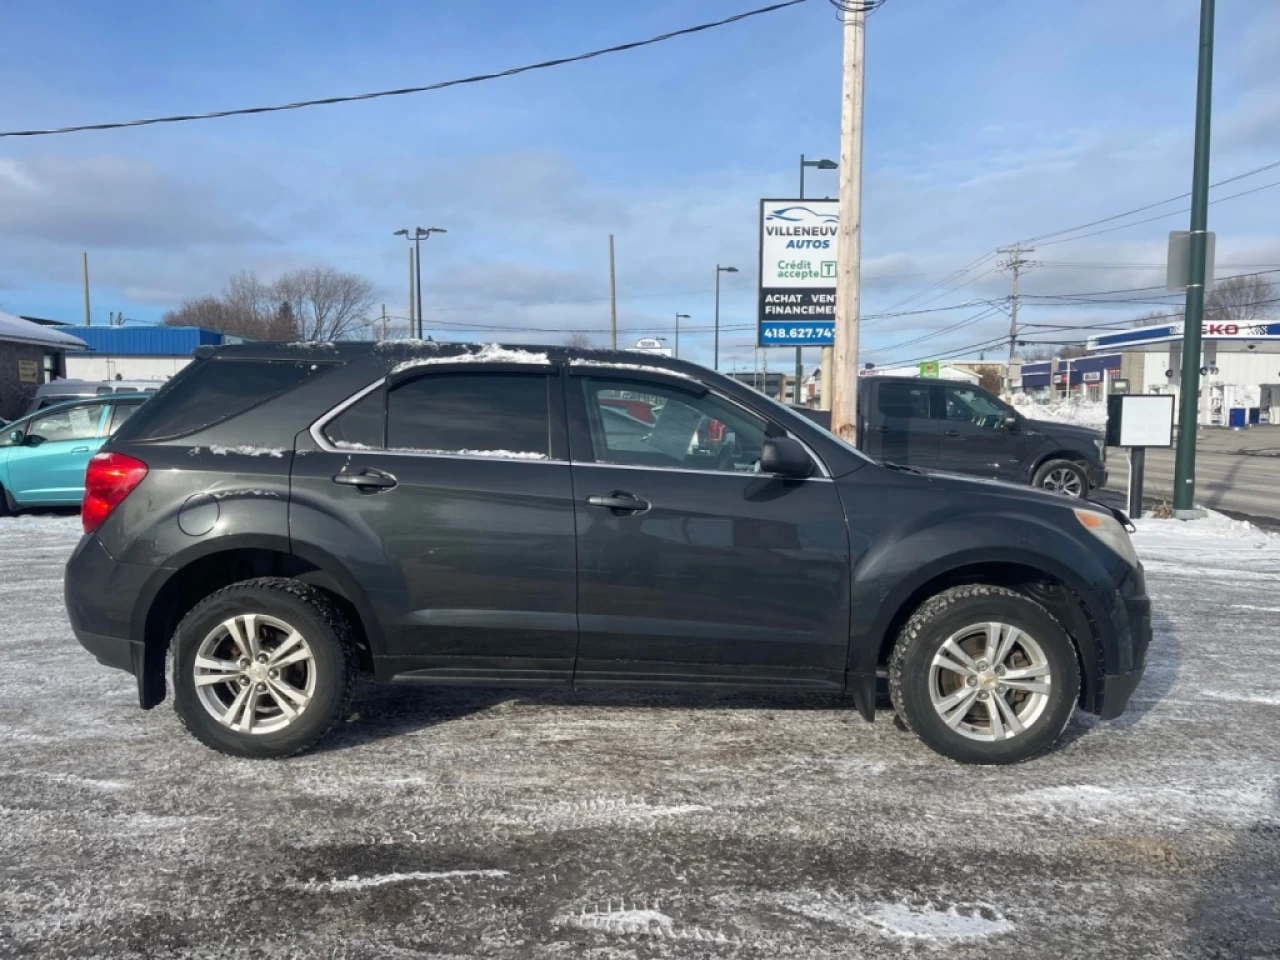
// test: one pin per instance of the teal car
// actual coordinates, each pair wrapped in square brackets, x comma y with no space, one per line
[43,456]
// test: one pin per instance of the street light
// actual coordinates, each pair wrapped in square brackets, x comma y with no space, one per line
[679,317]
[817,165]
[417,237]
[719,270]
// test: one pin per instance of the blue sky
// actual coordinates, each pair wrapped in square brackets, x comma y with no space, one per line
[986,122]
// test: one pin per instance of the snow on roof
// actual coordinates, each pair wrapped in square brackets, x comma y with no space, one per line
[617,365]
[489,353]
[17,330]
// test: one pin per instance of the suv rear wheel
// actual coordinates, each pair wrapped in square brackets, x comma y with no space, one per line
[984,675]
[263,668]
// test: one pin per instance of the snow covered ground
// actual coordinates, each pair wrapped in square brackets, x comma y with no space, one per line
[455,823]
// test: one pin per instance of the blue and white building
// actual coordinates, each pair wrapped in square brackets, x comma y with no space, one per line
[137,352]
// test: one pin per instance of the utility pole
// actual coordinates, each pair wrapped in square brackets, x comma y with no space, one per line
[1014,264]
[1184,465]
[844,379]
[84,273]
[384,323]
[613,299]
[413,316]
[679,317]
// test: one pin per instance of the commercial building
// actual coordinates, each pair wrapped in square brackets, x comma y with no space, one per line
[30,354]
[138,352]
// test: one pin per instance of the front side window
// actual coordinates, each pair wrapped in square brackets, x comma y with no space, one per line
[78,423]
[903,400]
[645,424]
[503,415]
[966,405]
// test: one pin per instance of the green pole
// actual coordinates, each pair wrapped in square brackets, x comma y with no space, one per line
[1184,471]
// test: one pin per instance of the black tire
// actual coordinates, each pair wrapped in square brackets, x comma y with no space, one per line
[923,636]
[334,661]
[6,504]
[1053,474]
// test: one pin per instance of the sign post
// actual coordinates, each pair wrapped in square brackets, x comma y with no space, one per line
[1138,421]
[797,297]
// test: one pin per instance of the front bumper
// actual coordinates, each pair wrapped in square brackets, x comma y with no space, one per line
[1125,635]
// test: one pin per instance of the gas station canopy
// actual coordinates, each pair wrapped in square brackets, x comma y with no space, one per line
[1229,338]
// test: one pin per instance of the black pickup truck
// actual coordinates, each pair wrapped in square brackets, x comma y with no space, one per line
[959,428]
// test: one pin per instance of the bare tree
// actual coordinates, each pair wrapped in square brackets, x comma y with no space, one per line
[326,303]
[1153,319]
[1048,352]
[1240,300]
[990,377]
[579,341]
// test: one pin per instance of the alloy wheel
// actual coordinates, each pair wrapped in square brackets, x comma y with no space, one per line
[1064,481]
[255,674]
[990,681]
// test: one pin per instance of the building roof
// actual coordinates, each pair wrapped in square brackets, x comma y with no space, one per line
[148,341]
[16,330]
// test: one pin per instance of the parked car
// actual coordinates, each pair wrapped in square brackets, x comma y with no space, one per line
[284,518]
[43,456]
[956,427]
[60,391]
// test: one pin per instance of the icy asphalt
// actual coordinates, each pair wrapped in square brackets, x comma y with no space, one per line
[451,824]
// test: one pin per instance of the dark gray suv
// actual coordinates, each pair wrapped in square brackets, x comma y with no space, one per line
[287,518]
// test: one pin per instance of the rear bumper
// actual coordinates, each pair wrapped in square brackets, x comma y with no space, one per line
[101,595]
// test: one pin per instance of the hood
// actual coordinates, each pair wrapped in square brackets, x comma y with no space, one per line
[1052,428]
[961,483]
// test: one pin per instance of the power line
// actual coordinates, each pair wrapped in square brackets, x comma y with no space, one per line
[404,91]
[1151,206]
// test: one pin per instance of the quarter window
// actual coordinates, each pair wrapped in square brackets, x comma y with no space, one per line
[480,414]
[903,400]
[646,424]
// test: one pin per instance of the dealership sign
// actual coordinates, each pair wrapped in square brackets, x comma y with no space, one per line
[797,305]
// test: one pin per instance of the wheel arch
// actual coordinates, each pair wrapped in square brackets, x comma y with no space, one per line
[207,567]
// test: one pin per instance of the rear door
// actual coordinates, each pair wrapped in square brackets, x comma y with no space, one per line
[901,427]
[48,467]
[975,439]
[446,493]
[716,573]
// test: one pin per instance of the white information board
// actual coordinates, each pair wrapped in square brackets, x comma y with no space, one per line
[1146,420]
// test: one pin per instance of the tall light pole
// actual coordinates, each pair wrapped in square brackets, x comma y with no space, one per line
[679,317]
[417,236]
[719,270]
[817,165]
[1184,464]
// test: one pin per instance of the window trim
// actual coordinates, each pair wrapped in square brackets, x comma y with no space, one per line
[701,390]
[324,443]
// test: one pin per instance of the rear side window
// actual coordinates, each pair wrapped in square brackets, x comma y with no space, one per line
[212,390]
[493,414]
[903,400]
[360,425]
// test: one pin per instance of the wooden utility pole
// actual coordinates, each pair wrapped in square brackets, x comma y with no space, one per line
[844,373]
[1014,265]
[613,300]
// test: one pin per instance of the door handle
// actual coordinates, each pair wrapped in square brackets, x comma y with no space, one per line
[883,429]
[622,501]
[371,479]
[79,449]
[951,433]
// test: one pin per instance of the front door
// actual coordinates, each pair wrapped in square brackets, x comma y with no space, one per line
[48,466]
[692,566]
[456,519]
[901,427]
[975,439]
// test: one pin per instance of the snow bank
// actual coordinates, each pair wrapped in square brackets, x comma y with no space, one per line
[489,353]
[1086,413]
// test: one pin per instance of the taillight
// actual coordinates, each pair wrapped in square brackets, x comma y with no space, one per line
[110,478]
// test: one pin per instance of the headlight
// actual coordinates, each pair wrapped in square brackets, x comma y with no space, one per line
[1097,442]
[1110,531]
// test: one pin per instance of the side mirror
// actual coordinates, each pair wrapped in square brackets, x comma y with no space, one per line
[1011,422]
[786,458]
[16,437]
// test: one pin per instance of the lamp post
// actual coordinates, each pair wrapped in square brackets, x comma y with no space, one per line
[719,270]
[417,236]
[679,317]
[817,165]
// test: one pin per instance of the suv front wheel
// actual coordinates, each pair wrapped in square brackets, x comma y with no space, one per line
[983,674]
[263,668]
